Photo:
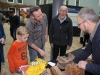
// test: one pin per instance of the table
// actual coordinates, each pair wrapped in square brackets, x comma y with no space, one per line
[75,53]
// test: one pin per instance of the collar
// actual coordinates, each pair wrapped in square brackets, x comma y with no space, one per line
[62,20]
[94,31]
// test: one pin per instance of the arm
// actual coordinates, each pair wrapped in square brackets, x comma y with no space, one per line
[46,36]
[9,21]
[51,34]
[2,39]
[70,33]
[84,54]
[3,33]
[93,68]
[11,58]
[42,53]
[31,43]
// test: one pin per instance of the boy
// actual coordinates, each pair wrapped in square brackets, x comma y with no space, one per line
[17,55]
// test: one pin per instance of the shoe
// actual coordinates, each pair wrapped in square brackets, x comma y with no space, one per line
[83,48]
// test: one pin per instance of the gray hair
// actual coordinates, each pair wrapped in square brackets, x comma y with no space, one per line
[87,13]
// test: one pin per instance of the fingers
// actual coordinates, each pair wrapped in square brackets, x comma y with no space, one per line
[82,64]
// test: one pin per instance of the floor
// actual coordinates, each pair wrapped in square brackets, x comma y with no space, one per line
[5,68]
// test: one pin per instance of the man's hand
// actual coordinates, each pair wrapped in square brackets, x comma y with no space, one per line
[51,45]
[8,23]
[2,40]
[42,53]
[82,64]
[68,47]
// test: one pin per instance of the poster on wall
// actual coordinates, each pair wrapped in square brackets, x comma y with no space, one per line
[73,17]
[24,15]
[72,13]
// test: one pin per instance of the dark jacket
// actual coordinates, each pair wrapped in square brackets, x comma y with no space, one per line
[2,35]
[61,34]
[94,49]
[14,21]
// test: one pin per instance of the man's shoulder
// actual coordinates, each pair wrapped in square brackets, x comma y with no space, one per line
[28,24]
[98,29]
[16,16]
[44,16]
[68,18]
[55,17]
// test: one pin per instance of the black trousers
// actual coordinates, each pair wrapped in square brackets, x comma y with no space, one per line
[58,50]
[13,33]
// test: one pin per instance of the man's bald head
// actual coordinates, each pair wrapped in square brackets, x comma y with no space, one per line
[63,7]
[63,11]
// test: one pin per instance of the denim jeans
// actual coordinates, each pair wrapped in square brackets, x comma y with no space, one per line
[34,54]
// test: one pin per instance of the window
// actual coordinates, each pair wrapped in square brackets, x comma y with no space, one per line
[44,1]
[14,9]
[20,1]
[49,2]
[67,2]
[37,2]
[10,1]
[99,2]
[77,2]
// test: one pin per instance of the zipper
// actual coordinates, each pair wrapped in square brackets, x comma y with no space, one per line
[59,34]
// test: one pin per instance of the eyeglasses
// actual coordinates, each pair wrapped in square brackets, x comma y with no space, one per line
[81,23]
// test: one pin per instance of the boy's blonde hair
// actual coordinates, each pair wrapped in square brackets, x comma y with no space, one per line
[22,30]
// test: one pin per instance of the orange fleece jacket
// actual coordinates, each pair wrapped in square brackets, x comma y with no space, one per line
[17,55]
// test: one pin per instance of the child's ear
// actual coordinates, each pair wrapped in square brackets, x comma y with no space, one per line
[18,36]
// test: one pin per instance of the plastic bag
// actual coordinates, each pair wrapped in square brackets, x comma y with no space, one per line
[36,67]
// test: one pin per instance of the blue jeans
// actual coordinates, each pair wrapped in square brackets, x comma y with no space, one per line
[34,54]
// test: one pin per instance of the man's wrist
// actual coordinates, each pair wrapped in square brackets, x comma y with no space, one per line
[39,50]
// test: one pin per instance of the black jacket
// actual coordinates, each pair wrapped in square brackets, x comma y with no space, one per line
[14,21]
[61,34]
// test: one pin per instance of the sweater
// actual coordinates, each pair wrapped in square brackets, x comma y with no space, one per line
[93,48]
[17,55]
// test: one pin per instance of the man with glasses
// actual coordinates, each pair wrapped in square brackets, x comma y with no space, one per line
[61,32]
[88,22]
[38,32]
[81,23]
